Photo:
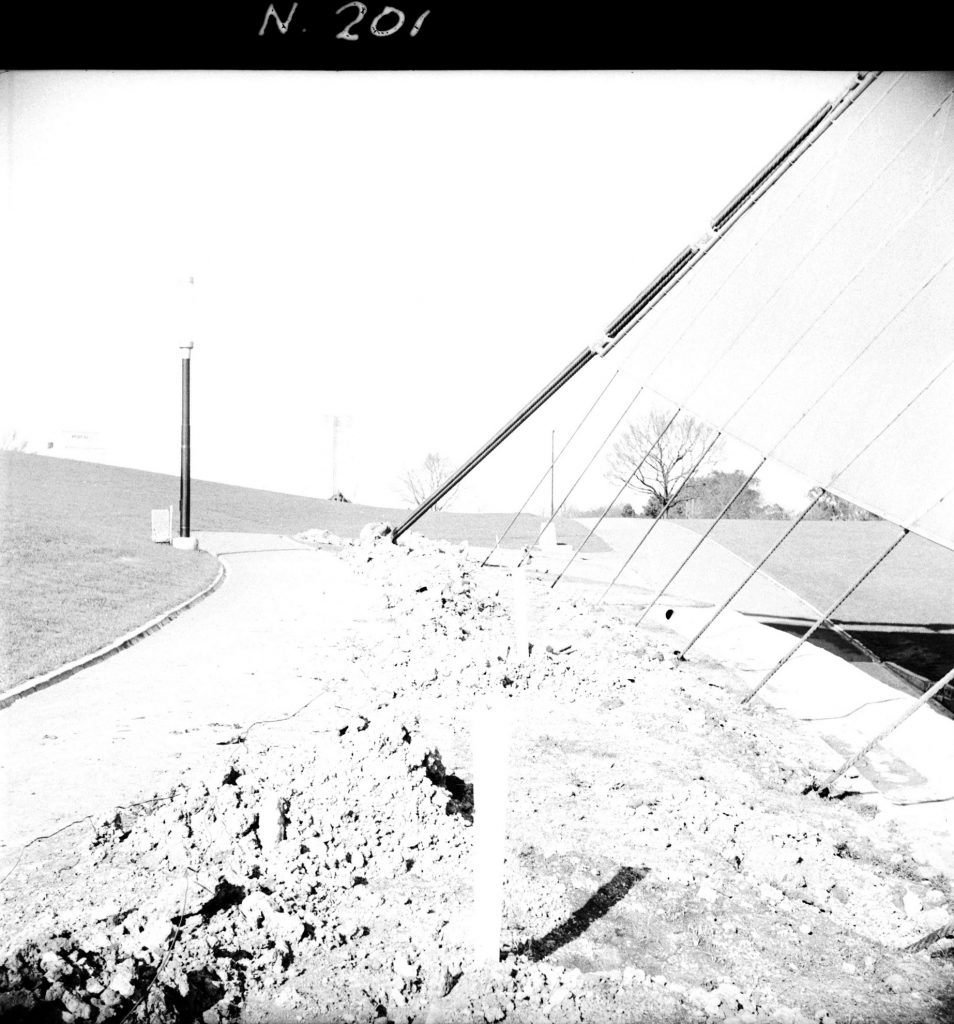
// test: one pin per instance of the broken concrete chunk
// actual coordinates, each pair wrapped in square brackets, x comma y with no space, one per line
[911,903]
[122,983]
[896,983]
[76,1006]
[254,908]
[373,532]
[287,927]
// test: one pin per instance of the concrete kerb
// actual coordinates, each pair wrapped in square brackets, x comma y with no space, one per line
[57,675]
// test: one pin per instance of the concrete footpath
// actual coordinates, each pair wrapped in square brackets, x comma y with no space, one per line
[278,633]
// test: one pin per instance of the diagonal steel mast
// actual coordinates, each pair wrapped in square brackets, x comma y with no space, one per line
[817,125]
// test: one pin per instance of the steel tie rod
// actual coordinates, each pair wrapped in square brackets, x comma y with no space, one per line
[825,616]
[596,454]
[700,542]
[919,703]
[605,511]
[662,512]
[526,502]
[738,590]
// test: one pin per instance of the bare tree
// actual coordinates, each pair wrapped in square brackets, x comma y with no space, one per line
[11,443]
[416,485]
[660,469]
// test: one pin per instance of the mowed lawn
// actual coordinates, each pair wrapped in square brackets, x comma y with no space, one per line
[903,611]
[914,585]
[226,507]
[78,568]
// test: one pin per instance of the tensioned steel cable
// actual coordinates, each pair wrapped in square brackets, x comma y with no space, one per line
[738,590]
[685,561]
[905,531]
[662,513]
[747,199]
[805,256]
[827,615]
[833,626]
[779,287]
[626,484]
[817,126]
[855,758]
[797,341]
[755,569]
[539,483]
[735,339]
[750,252]
[595,456]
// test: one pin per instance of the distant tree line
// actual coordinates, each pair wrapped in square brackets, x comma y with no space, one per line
[669,463]
[703,497]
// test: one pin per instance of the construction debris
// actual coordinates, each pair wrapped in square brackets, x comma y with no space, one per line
[663,860]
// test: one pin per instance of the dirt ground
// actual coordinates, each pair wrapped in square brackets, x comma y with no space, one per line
[666,856]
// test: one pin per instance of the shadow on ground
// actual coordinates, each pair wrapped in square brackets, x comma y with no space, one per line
[599,904]
[927,651]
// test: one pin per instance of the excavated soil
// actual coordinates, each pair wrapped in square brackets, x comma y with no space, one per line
[667,859]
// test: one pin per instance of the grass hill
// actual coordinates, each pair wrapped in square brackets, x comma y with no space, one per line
[78,568]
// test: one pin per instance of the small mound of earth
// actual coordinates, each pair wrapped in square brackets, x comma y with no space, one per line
[256,873]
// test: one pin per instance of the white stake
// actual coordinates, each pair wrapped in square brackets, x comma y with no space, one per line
[521,615]
[491,746]
[548,539]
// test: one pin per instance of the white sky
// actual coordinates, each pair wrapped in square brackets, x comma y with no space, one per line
[417,252]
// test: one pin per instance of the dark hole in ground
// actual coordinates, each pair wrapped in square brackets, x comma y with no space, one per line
[597,906]
[461,793]
[450,980]
[221,952]
[31,1011]
[204,991]
[226,895]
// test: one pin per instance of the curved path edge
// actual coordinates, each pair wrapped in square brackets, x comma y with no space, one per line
[57,675]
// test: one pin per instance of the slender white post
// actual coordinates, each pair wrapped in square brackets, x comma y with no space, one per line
[521,615]
[491,746]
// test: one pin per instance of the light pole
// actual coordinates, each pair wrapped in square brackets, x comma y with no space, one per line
[334,456]
[185,541]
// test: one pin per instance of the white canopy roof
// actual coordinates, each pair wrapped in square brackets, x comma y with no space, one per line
[818,324]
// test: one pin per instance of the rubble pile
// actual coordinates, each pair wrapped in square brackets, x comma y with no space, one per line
[453,627]
[666,859]
[251,874]
[321,537]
